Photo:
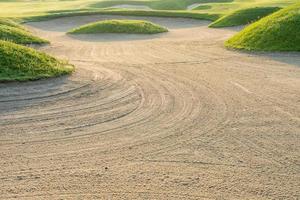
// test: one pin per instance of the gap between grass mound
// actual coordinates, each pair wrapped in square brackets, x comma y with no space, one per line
[243,16]
[120,26]
[279,31]
[19,63]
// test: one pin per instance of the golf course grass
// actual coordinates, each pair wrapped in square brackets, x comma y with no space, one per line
[123,12]
[32,8]
[279,31]
[11,23]
[243,16]
[155,4]
[120,26]
[19,63]
[19,36]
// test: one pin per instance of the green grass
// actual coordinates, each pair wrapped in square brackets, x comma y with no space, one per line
[202,7]
[11,23]
[243,16]
[19,36]
[30,8]
[227,8]
[279,31]
[19,63]
[150,13]
[106,3]
[155,4]
[120,26]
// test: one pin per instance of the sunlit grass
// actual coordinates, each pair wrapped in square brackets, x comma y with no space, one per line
[120,26]
[20,63]
[34,8]
[276,32]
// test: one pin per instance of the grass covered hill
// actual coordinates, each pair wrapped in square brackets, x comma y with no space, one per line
[11,23]
[243,16]
[279,31]
[120,26]
[19,63]
[19,36]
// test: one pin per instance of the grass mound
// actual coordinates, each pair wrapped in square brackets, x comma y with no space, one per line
[19,63]
[19,36]
[120,26]
[279,31]
[11,23]
[243,16]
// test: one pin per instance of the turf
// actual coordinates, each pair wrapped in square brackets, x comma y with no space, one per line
[279,31]
[150,13]
[19,63]
[19,36]
[156,4]
[120,26]
[11,23]
[30,8]
[243,16]
[106,3]
[229,7]
[180,4]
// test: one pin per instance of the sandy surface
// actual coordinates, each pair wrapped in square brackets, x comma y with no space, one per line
[171,116]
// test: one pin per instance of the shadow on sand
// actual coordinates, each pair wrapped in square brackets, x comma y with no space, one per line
[291,58]
[15,96]
[114,37]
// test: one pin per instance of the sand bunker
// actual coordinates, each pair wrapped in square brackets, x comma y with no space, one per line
[170,117]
